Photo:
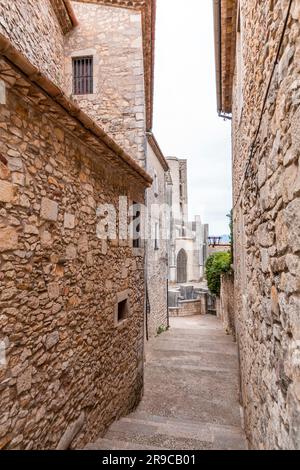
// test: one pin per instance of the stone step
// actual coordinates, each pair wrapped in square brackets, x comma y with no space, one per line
[159,431]
[116,444]
[211,337]
[196,347]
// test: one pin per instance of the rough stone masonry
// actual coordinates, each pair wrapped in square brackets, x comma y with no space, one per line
[69,366]
[266,178]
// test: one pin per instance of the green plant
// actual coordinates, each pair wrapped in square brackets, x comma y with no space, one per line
[161,329]
[230,217]
[217,264]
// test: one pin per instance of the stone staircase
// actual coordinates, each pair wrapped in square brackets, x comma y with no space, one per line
[140,431]
[191,394]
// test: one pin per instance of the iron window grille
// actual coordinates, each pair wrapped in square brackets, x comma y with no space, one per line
[83,75]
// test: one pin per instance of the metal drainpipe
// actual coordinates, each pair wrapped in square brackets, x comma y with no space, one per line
[147,304]
[168,316]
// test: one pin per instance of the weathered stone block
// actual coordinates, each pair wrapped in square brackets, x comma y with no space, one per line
[53,290]
[7,192]
[265,236]
[83,244]
[288,182]
[293,264]
[295,131]
[18,178]
[31,229]
[4,171]
[69,220]
[89,259]
[292,220]
[265,260]
[262,174]
[71,252]
[46,238]
[281,231]
[285,61]
[15,164]
[49,209]
[51,340]
[8,239]
[24,381]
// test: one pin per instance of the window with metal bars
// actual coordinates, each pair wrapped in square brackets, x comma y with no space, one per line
[83,75]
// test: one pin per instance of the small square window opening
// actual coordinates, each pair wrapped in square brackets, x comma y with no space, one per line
[122,310]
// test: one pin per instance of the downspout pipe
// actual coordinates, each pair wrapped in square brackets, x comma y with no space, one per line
[146,249]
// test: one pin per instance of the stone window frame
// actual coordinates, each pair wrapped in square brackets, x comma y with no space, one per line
[91,52]
[81,80]
[120,297]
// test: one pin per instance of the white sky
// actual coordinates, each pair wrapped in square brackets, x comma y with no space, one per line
[186,123]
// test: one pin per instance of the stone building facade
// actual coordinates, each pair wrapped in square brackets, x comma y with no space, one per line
[113,37]
[188,240]
[72,303]
[157,242]
[258,61]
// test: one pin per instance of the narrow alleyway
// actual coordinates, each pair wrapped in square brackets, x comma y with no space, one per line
[191,393]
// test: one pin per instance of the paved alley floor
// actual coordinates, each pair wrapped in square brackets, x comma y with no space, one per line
[191,393]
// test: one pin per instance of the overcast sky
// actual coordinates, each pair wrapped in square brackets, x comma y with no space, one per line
[186,124]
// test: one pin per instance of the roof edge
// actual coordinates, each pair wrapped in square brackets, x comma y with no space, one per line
[35,76]
[71,12]
[225,31]
[157,150]
[65,14]
[217,36]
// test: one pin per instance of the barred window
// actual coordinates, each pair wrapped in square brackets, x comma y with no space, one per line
[83,75]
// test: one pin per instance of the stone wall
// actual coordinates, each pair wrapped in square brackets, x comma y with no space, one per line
[67,360]
[188,308]
[34,30]
[267,222]
[157,259]
[113,36]
[225,306]
[224,248]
